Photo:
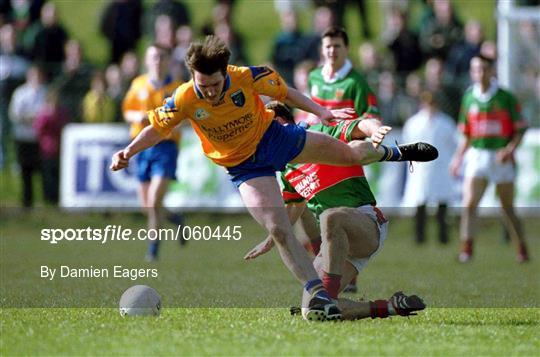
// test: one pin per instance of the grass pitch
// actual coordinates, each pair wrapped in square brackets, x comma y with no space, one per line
[217,304]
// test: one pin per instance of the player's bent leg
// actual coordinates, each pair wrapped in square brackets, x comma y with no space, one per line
[324,149]
[505,192]
[262,197]
[473,190]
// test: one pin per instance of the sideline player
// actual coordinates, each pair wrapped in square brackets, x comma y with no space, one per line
[491,122]
[156,166]
[353,229]
[338,85]
[223,105]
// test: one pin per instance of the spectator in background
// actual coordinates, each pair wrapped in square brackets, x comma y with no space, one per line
[129,68]
[25,104]
[225,33]
[176,10]
[431,183]
[459,58]
[164,31]
[184,36]
[370,63]
[115,89]
[446,94]
[97,105]
[338,11]
[441,31]
[411,95]
[121,26]
[22,14]
[323,18]
[13,67]
[74,81]
[290,47]
[301,76]
[488,49]
[403,44]
[391,102]
[50,120]
[49,42]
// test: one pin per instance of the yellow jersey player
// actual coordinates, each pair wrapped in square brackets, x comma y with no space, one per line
[236,131]
[156,166]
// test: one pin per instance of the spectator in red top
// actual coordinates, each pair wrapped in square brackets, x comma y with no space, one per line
[48,125]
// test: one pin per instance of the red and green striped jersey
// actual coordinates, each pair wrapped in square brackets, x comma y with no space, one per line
[325,186]
[351,91]
[491,123]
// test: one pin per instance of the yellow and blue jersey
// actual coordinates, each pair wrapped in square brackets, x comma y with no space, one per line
[230,129]
[144,95]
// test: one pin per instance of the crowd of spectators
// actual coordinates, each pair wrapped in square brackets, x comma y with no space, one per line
[46,82]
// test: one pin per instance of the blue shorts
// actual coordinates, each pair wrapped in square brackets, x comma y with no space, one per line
[279,145]
[158,160]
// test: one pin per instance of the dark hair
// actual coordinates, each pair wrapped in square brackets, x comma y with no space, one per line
[336,31]
[281,110]
[489,61]
[209,56]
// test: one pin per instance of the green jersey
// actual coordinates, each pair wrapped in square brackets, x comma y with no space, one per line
[325,186]
[349,90]
[490,120]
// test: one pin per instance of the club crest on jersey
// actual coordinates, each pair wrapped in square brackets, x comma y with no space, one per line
[238,98]
[339,93]
[201,114]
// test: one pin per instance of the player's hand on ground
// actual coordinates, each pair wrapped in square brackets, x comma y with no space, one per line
[120,161]
[378,136]
[261,248]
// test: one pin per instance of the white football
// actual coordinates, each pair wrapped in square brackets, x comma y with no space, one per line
[140,300]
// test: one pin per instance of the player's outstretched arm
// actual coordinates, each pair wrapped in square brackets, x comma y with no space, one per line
[300,101]
[146,138]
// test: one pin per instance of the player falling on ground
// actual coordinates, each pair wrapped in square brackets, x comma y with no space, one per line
[156,166]
[236,131]
[493,127]
[352,228]
[338,85]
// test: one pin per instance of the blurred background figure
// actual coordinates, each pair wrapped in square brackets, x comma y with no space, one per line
[129,67]
[431,183]
[446,94]
[49,41]
[301,82]
[12,74]
[25,104]
[459,57]
[97,105]
[493,127]
[238,55]
[121,26]
[156,166]
[50,120]
[371,63]
[338,11]
[74,81]
[115,89]
[179,70]
[176,10]
[164,31]
[290,47]
[403,44]
[440,31]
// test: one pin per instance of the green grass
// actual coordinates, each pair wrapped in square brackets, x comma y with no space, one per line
[215,303]
[268,332]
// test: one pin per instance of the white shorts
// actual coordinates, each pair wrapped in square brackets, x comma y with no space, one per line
[382,223]
[482,163]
